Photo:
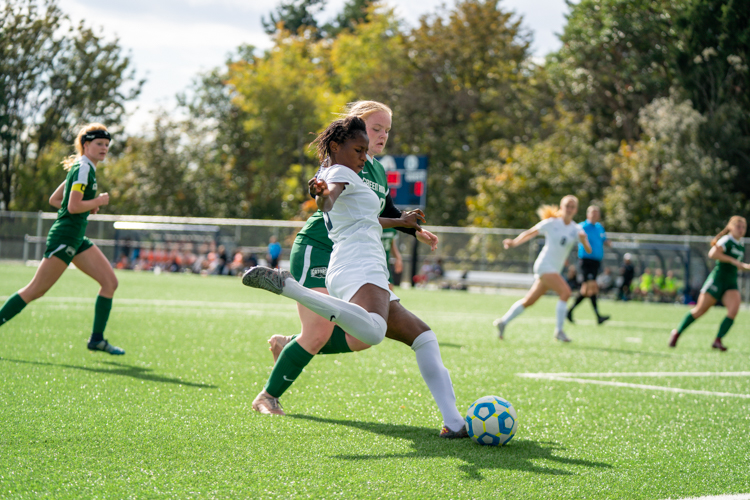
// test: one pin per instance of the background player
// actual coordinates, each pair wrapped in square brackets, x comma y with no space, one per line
[560,232]
[390,245]
[721,284]
[66,241]
[589,263]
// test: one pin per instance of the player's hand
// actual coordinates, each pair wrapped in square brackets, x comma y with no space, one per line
[412,218]
[507,243]
[426,237]
[103,199]
[94,211]
[319,187]
[310,185]
[746,267]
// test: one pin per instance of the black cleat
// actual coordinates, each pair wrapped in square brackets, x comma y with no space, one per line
[602,319]
[449,434]
[570,316]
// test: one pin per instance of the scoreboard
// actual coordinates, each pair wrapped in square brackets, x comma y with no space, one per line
[407,180]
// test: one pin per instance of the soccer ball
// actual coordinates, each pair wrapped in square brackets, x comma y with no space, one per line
[491,420]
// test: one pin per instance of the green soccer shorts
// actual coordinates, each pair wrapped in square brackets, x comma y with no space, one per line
[309,265]
[66,251]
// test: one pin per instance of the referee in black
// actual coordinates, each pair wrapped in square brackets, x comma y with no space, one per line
[590,263]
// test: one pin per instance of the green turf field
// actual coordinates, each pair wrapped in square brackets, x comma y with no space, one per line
[172,418]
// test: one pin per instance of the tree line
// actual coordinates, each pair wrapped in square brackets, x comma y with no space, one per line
[644,110]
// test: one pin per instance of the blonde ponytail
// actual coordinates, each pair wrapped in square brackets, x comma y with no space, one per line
[732,221]
[548,211]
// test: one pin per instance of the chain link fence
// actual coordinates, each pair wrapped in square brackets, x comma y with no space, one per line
[462,252]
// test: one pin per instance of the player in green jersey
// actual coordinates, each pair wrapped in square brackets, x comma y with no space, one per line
[75,199]
[721,284]
[309,262]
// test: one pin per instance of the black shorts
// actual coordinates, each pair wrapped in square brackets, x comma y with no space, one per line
[588,269]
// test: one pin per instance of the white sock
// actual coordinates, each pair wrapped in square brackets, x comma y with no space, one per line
[365,326]
[514,311]
[561,310]
[437,378]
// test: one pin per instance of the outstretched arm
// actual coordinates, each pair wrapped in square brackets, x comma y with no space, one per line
[521,238]
[717,253]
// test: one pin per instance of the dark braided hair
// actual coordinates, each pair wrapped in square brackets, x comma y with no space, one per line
[339,131]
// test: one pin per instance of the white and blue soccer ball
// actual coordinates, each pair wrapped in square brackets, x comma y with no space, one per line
[491,420]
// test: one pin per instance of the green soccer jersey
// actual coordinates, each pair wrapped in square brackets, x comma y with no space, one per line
[733,248]
[72,227]
[315,234]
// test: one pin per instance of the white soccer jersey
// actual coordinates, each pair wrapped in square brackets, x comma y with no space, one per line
[559,240]
[358,256]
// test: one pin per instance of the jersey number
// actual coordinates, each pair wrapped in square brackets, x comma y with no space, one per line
[563,241]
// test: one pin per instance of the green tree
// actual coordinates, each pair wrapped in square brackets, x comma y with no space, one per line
[520,178]
[294,16]
[615,59]
[712,67]
[469,82]
[285,97]
[53,76]
[666,182]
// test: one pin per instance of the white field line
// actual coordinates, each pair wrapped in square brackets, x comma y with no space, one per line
[741,496]
[570,377]
[637,374]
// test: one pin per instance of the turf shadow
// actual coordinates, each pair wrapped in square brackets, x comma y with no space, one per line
[448,344]
[518,455]
[120,369]
[626,351]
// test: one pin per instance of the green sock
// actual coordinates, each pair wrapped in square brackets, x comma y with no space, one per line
[686,322]
[337,343]
[12,306]
[291,362]
[725,326]
[101,315]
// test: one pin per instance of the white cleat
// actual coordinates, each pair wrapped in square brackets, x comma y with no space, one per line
[266,278]
[500,324]
[560,335]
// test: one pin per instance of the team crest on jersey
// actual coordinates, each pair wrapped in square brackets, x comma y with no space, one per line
[318,272]
[70,251]
[94,187]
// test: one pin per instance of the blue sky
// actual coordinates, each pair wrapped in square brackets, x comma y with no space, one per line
[171,41]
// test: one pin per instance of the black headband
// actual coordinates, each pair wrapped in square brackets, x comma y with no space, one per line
[95,134]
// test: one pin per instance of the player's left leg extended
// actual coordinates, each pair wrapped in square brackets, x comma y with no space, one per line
[731,300]
[93,263]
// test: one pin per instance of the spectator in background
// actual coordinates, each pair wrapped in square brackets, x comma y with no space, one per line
[221,266]
[658,285]
[274,252]
[669,289]
[627,272]
[645,287]
[605,280]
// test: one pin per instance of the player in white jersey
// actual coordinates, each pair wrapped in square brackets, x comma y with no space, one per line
[561,233]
